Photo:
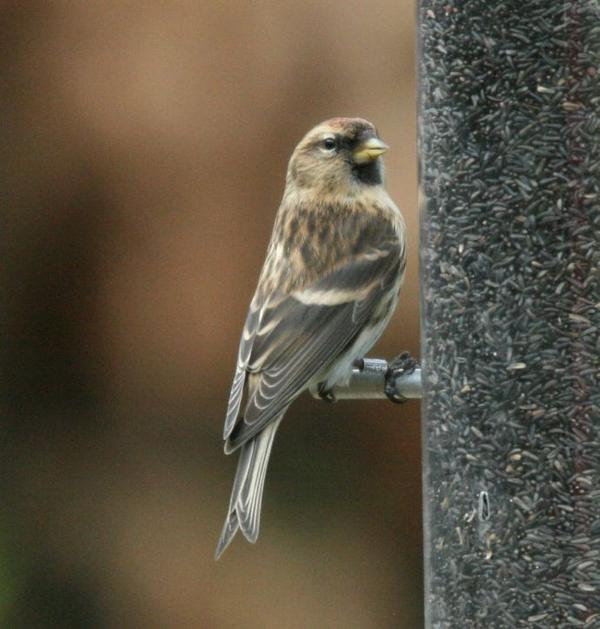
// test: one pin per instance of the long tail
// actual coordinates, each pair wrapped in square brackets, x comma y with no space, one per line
[246,496]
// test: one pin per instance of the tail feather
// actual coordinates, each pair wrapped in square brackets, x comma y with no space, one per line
[246,496]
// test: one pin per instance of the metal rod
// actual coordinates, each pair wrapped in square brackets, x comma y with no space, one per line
[368,383]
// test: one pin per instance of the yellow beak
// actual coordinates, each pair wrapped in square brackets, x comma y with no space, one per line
[369,150]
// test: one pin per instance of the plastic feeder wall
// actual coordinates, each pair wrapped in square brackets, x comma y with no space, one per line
[510,172]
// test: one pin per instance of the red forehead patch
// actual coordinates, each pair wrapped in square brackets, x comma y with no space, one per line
[345,123]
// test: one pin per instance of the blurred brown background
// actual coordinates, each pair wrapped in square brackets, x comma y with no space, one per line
[143,151]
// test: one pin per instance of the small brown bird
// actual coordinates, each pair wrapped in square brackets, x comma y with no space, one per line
[328,288]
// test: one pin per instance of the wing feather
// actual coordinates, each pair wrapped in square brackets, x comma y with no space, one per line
[239,379]
[301,337]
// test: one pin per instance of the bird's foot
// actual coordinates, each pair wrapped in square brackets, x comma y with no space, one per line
[402,365]
[327,395]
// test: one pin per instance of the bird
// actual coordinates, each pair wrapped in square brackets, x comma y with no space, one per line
[328,287]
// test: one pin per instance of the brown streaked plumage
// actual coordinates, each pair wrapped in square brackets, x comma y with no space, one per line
[328,287]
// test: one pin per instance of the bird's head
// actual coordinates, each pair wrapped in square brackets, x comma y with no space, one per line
[338,157]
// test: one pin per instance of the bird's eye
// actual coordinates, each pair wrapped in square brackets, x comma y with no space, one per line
[329,144]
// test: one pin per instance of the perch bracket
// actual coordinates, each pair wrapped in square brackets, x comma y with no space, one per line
[376,379]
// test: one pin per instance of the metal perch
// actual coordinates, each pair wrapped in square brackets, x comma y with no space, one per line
[368,383]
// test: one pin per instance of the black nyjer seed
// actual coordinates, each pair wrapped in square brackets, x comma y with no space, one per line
[510,184]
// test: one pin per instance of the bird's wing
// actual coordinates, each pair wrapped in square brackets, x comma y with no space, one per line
[237,387]
[299,334]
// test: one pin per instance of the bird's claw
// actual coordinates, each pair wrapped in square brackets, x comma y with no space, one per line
[359,364]
[402,365]
[325,394]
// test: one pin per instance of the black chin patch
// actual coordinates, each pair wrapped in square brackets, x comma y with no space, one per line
[369,173]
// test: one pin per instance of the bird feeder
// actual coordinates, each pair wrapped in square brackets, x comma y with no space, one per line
[510,254]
